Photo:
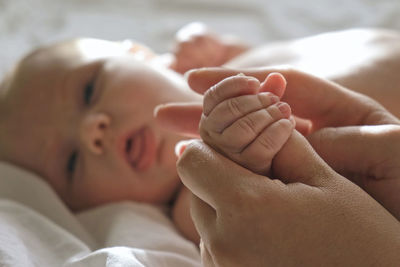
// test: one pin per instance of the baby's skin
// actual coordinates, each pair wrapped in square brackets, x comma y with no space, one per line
[245,122]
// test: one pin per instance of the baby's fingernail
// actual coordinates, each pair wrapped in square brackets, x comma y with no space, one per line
[284,108]
[270,98]
[292,120]
[274,99]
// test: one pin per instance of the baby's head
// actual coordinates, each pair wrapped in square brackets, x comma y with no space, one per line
[80,114]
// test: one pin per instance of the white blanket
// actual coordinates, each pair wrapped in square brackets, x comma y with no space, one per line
[36,229]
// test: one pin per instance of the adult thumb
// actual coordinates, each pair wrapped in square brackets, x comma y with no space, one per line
[298,162]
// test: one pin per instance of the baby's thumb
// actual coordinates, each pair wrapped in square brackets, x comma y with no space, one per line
[297,162]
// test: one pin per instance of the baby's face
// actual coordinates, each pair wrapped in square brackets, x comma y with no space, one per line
[81,115]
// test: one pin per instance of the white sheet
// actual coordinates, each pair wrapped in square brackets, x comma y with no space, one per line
[36,229]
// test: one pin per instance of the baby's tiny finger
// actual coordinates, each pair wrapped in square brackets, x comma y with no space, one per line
[259,154]
[245,130]
[229,111]
[230,87]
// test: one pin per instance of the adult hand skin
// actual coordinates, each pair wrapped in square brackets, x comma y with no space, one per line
[316,219]
[367,155]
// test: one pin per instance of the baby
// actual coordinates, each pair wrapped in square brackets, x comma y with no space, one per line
[80,114]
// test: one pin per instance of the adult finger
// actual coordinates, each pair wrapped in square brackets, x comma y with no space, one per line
[275,82]
[364,150]
[367,155]
[206,258]
[215,179]
[204,218]
[200,80]
[297,162]
[323,102]
[182,118]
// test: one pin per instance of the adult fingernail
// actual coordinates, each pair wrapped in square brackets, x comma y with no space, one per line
[156,109]
[292,120]
[181,146]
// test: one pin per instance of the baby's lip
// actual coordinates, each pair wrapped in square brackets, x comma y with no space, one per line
[140,149]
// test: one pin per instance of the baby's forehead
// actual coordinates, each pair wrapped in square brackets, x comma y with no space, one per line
[50,55]
[46,63]
[75,51]
[38,70]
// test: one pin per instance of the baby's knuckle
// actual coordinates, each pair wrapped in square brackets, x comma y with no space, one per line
[266,141]
[204,133]
[212,94]
[211,139]
[273,112]
[233,143]
[267,99]
[284,125]
[240,81]
[234,107]
[248,125]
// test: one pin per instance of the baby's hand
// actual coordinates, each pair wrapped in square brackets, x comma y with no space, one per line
[247,126]
[197,47]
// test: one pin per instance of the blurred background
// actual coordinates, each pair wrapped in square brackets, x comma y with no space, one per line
[25,24]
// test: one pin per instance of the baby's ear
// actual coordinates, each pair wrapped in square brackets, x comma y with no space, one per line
[274,83]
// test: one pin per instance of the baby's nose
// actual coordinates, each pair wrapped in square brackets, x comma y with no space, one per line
[93,132]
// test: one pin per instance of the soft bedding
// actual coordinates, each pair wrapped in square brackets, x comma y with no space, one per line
[36,229]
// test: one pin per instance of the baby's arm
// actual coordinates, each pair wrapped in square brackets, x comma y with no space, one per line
[246,126]
[197,46]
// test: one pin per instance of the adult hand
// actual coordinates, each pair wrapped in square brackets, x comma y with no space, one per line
[368,155]
[321,219]
[316,219]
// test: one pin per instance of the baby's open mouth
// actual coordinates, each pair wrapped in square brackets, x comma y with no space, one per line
[140,149]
